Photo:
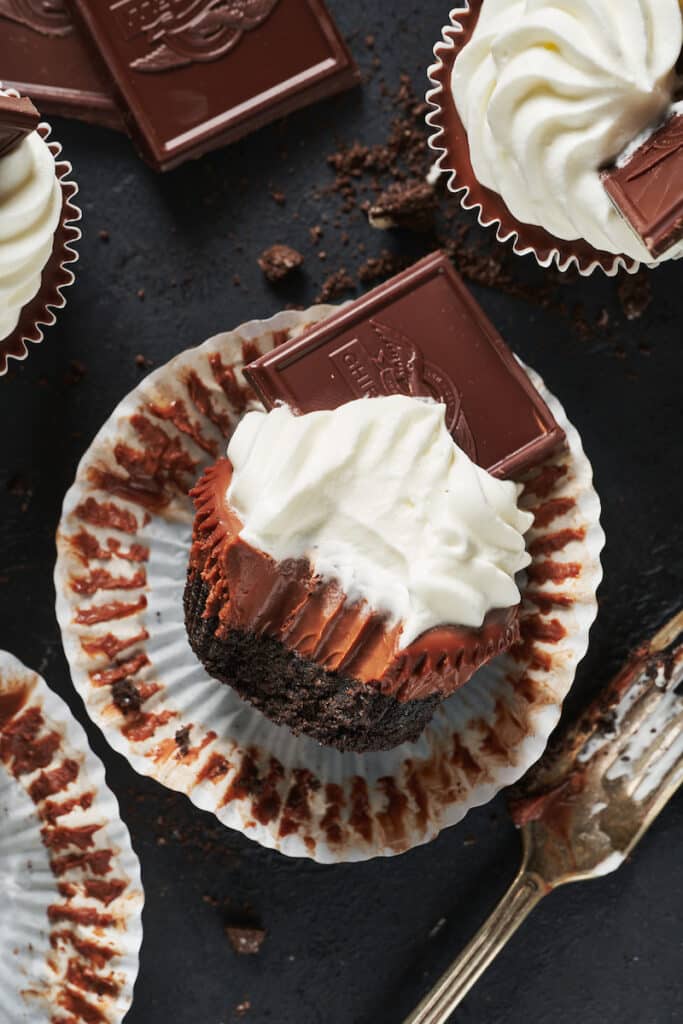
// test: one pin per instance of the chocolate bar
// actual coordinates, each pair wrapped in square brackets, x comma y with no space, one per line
[422,334]
[42,56]
[647,188]
[195,74]
[18,117]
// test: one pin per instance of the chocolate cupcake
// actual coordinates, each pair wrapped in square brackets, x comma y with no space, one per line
[534,102]
[352,568]
[37,227]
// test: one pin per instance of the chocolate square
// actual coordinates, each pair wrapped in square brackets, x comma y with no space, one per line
[43,56]
[18,117]
[196,74]
[423,334]
[647,188]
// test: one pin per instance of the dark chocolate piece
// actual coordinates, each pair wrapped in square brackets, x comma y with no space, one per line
[195,74]
[18,117]
[42,56]
[423,334]
[647,188]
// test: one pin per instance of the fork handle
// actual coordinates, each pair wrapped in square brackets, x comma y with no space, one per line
[520,899]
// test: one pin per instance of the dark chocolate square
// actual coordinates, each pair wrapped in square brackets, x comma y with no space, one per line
[421,333]
[647,188]
[195,74]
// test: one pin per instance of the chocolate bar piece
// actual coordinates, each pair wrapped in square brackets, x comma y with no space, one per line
[18,117]
[647,188]
[195,74]
[42,56]
[423,334]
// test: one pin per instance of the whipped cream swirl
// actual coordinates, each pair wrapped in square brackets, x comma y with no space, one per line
[30,209]
[551,91]
[377,495]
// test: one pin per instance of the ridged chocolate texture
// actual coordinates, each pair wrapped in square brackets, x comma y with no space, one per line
[237,597]
[647,189]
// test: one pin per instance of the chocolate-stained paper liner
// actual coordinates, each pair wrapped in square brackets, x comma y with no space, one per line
[58,272]
[70,927]
[449,141]
[123,545]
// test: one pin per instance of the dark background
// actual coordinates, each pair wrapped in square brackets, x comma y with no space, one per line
[352,943]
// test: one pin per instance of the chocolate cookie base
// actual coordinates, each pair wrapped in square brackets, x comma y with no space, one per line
[334,709]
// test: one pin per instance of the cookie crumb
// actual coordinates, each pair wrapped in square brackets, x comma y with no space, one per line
[279,261]
[409,204]
[245,941]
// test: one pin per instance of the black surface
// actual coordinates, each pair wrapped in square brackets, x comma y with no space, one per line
[349,943]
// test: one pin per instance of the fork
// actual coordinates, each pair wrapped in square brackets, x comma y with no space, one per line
[586,804]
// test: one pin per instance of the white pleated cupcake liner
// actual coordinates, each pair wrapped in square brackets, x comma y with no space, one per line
[122,620]
[473,196]
[54,299]
[71,926]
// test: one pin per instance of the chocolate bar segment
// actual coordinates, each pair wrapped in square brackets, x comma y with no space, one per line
[42,56]
[195,74]
[423,334]
[18,117]
[647,188]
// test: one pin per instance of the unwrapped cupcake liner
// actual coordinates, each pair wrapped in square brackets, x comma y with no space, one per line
[123,546]
[58,272]
[449,141]
[70,927]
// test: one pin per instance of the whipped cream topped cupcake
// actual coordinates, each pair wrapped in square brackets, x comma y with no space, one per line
[35,212]
[549,93]
[351,568]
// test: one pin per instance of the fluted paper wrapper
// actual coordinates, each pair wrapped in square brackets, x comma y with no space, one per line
[70,927]
[449,141]
[58,273]
[123,546]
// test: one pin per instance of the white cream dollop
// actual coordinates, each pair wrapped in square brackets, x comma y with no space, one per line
[377,495]
[30,209]
[551,91]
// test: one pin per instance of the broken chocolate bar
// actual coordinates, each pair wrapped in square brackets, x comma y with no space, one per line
[647,188]
[421,334]
[42,56]
[195,74]
[18,117]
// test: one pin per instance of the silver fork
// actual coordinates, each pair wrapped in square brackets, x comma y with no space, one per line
[586,804]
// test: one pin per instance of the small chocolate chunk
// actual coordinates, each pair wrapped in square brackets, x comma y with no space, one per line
[182,739]
[126,696]
[245,941]
[18,117]
[422,334]
[409,204]
[647,188]
[279,261]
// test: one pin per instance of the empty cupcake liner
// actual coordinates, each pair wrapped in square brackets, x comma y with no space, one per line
[449,141]
[58,272]
[123,544]
[70,928]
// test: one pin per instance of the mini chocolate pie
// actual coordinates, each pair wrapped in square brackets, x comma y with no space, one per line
[309,658]
[355,558]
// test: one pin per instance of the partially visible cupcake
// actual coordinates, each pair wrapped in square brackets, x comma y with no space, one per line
[533,100]
[352,568]
[37,227]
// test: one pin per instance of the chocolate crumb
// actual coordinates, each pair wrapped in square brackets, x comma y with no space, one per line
[141,293]
[378,268]
[243,1007]
[279,261]
[245,941]
[279,197]
[236,280]
[142,362]
[103,235]
[410,204]
[635,294]
[76,372]
[370,42]
[336,285]
[316,233]
[126,696]
[182,739]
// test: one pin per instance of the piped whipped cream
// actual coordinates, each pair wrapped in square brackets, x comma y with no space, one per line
[552,91]
[377,495]
[30,210]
